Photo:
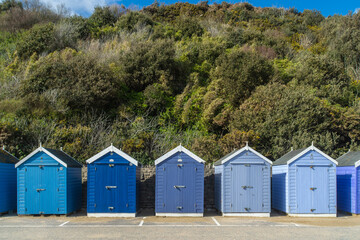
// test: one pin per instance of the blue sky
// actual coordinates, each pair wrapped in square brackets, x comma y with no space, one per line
[327,7]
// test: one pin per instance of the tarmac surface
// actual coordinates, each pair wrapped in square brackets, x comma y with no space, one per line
[147,226]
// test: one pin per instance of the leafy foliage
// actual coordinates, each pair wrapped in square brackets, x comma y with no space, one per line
[208,76]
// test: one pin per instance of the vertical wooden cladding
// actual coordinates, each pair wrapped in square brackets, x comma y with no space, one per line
[242,183]
[49,182]
[113,184]
[304,182]
[7,187]
[179,183]
[348,182]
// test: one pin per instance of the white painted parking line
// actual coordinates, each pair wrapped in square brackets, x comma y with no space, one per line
[63,224]
[216,222]
[149,226]
[141,223]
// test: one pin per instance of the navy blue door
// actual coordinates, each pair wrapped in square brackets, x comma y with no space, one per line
[111,188]
[180,186]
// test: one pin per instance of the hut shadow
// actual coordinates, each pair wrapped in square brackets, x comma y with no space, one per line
[147,193]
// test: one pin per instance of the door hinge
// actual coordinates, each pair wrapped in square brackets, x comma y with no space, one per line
[25,169]
[164,169]
[127,205]
[25,209]
[25,189]
[94,204]
[58,209]
[95,169]
[231,168]
[127,169]
[195,205]
[230,204]
[196,169]
[163,204]
[312,210]
[58,190]
[263,205]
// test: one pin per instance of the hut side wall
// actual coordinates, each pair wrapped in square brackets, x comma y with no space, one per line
[74,189]
[7,187]
[280,188]
[346,188]
[219,187]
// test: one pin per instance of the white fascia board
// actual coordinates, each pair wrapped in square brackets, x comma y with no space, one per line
[357,164]
[244,149]
[115,150]
[175,150]
[40,149]
[310,149]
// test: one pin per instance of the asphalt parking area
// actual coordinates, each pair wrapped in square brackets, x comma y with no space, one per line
[147,226]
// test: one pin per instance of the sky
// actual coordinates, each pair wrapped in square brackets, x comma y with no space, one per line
[326,7]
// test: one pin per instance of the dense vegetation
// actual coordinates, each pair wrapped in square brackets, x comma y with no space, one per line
[208,76]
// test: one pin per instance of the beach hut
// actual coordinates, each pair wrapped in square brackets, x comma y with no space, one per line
[348,182]
[304,183]
[113,184]
[179,188]
[48,182]
[242,184]
[7,181]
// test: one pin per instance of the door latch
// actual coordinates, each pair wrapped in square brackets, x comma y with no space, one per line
[245,187]
[179,186]
[111,165]
[40,189]
[313,188]
[180,165]
[179,207]
[247,209]
[111,208]
[312,210]
[110,187]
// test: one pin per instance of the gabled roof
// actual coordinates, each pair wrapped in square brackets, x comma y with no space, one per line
[237,152]
[58,155]
[349,159]
[6,157]
[294,155]
[176,150]
[115,150]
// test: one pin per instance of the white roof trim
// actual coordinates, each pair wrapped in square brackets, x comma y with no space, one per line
[357,164]
[245,149]
[115,150]
[40,149]
[175,150]
[312,147]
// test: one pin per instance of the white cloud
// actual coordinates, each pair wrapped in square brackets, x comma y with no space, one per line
[357,10]
[83,7]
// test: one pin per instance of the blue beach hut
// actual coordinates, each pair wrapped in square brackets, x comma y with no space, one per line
[179,188]
[242,184]
[7,181]
[348,182]
[304,183]
[113,184]
[48,182]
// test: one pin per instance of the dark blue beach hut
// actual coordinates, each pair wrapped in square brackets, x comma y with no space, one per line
[304,183]
[113,184]
[179,188]
[7,181]
[242,184]
[348,182]
[49,182]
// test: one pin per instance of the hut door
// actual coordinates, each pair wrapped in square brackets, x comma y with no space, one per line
[303,191]
[320,192]
[312,189]
[40,195]
[240,190]
[32,196]
[187,188]
[111,192]
[48,190]
[180,181]
[256,188]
